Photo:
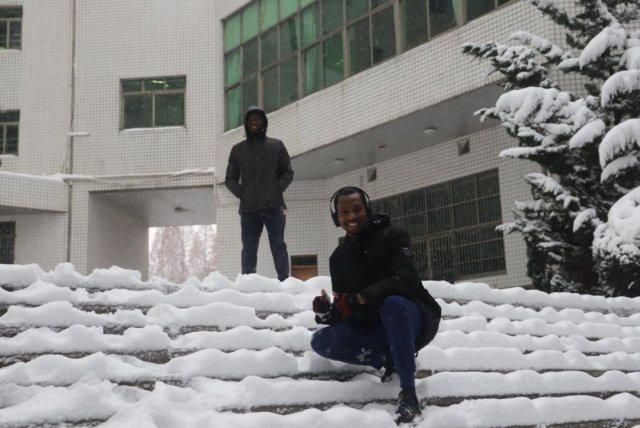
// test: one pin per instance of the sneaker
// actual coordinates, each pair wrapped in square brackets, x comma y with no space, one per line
[408,407]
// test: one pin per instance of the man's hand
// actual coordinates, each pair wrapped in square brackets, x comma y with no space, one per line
[348,303]
[321,303]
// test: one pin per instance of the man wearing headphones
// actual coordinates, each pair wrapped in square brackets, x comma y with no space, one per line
[380,315]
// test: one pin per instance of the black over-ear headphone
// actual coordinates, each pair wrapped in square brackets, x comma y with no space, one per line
[333,202]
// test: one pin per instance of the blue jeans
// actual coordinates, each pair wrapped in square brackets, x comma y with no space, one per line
[399,327]
[251,223]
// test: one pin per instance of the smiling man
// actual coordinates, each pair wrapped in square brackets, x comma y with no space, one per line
[380,314]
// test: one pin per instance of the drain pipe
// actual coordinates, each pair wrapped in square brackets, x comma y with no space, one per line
[71,134]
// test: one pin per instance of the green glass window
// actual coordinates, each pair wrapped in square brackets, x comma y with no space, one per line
[249,92]
[331,15]
[131,86]
[156,102]
[9,124]
[10,28]
[138,112]
[175,83]
[234,108]
[477,8]
[232,68]
[443,15]
[288,37]
[232,33]
[269,48]
[303,45]
[310,25]
[356,8]
[11,140]
[288,8]
[169,110]
[250,21]
[376,3]
[270,89]
[250,57]
[289,81]
[333,60]
[414,19]
[384,37]
[268,14]
[359,46]
[311,64]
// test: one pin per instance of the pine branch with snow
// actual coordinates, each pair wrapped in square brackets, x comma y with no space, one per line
[587,142]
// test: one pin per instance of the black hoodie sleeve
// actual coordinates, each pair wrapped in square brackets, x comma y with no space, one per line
[232,177]
[285,172]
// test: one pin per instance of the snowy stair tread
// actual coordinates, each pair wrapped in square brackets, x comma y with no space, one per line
[240,351]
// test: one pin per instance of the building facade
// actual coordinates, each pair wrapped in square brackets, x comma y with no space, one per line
[119,116]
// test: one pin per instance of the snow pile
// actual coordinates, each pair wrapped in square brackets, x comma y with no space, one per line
[217,352]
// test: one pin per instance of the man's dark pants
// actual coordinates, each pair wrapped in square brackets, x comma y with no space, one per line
[400,325]
[252,222]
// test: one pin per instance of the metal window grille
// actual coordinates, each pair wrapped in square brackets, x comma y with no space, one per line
[452,226]
[7,242]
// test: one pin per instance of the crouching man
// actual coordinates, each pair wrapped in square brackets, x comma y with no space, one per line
[380,314]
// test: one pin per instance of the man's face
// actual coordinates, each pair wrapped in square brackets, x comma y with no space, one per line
[254,123]
[352,213]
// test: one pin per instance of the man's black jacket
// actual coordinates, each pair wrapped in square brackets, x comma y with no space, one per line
[378,263]
[258,173]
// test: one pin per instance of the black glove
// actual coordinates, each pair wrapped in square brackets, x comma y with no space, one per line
[348,304]
[321,305]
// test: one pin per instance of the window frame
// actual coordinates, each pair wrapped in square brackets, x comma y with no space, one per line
[428,214]
[302,7]
[8,21]
[154,93]
[5,124]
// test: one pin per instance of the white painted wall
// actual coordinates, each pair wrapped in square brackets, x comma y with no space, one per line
[116,238]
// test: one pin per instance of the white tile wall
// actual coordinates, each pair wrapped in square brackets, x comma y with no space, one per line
[124,39]
[40,238]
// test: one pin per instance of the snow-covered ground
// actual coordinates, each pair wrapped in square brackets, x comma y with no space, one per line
[109,349]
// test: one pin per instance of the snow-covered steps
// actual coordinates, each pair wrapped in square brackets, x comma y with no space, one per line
[110,350]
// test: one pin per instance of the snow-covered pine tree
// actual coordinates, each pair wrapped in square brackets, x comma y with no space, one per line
[561,131]
[616,243]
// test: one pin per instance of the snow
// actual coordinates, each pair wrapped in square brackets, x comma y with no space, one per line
[552,51]
[533,349]
[622,82]
[613,37]
[620,140]
[587,134]
[621,234]
[631,58]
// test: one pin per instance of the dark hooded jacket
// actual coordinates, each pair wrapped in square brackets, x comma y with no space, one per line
[259,169]
[378,263]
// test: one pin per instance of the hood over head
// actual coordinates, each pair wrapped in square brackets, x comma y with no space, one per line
[258,110]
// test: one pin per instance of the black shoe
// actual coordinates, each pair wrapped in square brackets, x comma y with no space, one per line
[408,407]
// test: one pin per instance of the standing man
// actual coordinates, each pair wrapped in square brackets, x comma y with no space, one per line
[258,173]
[381,314]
